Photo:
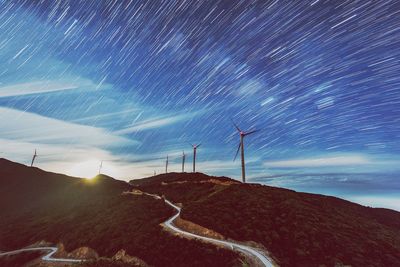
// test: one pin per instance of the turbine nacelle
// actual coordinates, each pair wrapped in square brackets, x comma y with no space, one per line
[195,146]
[243,133]
[247,133]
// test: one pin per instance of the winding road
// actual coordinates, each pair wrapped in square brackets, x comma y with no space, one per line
[267,262]
[47,257]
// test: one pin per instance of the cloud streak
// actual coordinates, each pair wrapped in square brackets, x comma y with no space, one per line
[157,123]
[33,128]
[328,161]
[62,146]
[35,88]
[39,87]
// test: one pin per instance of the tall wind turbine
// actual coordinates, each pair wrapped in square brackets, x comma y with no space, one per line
[166,165]
[241,147]
[194,155]
[33,158]
[183,161]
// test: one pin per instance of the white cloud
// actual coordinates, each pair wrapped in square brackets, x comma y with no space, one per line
[108,115]
[328,161]
[157,123]
[38,87]
[49,153]
[390,202]
[64,147]
[78,160]
[76,149]
[33,128]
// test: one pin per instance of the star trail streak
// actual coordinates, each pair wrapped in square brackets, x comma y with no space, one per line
[121,81]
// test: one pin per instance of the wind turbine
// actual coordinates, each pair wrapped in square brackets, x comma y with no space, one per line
[241,147]
[101,166]
[166,165]
[33,158]
[194,155]
[183,161]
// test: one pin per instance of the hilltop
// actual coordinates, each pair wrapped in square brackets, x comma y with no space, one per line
[298,229]
[37,205]
[111,216]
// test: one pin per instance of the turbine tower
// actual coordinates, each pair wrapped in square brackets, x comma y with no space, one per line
[194,155]
[241,147]
[166,165]
[33,158]
[101,166]
[183,161]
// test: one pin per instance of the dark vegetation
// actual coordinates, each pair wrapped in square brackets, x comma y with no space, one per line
[19,259]
[37,205]
[178,177]
[107,263]
[299,229]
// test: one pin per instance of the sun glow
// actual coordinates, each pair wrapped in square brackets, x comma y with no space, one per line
[85,169]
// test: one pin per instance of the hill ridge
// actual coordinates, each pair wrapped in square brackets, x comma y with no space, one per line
[299,229]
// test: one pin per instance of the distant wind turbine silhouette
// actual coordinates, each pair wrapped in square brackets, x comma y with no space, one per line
[241,147]
[194,155]
[183,161]
[101,166]
[166,165]
[33,158]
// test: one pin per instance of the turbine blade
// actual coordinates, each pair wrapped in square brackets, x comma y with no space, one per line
[237,151]
[254,131]
[237,127]
[199,145]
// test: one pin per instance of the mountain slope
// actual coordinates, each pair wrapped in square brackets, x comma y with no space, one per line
[299,229]
[27,188]
[38,205]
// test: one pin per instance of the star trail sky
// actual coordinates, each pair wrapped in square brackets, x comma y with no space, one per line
[130,82]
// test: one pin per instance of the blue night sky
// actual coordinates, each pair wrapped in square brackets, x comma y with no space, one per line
[130,82]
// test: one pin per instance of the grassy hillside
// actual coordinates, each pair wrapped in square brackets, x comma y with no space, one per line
[37,205]
[299,229]
[21,259]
